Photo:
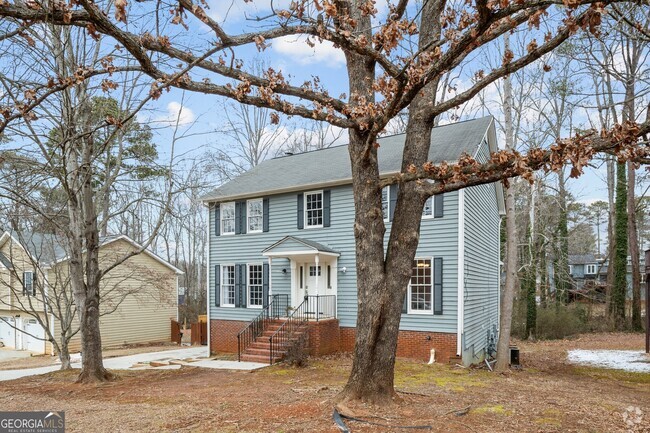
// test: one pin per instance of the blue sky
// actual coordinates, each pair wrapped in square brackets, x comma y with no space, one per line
[203,114]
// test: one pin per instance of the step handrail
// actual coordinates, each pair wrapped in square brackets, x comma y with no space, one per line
[282,336]
[274,310]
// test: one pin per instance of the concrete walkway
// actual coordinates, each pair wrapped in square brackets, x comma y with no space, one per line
[127,362]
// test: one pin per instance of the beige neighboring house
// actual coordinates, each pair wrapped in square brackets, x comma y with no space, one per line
[138,297]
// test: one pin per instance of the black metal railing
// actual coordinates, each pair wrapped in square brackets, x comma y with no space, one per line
[278,307]
[317,307]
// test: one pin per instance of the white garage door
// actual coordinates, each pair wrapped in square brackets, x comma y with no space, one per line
[7,332]
[33,336]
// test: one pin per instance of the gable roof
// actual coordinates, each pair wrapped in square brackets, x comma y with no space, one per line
[582,259]
[298,244]
[331,166]
[47,249]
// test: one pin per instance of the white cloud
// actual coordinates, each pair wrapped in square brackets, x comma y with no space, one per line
[297,49]
[176,114]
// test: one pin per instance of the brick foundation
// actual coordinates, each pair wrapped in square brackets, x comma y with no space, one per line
[327,337]
[324,337]
[413,344]
[223,335]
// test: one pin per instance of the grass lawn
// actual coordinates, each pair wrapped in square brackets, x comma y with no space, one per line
[547,395]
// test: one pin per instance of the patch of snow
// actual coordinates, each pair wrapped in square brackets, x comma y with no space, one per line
[627,360]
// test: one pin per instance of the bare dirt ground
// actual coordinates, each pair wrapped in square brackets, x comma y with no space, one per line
[45,360]
[547,395]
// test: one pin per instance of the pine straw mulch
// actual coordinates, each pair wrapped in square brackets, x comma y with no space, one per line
[546,395]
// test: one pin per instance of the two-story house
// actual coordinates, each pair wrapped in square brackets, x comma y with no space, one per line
[282,255]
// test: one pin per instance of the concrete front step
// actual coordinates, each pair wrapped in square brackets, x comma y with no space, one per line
[258,358]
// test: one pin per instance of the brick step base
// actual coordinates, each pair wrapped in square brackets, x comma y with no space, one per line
[264,359]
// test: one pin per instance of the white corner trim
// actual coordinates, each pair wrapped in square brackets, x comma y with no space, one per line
[461,273]
[207,272]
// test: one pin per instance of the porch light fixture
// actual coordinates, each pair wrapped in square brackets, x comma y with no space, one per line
[284,271]
[344,269]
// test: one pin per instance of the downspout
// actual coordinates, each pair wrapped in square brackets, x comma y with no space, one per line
[461,273]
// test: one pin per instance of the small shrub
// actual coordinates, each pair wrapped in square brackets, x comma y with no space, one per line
[559,321]
[298,352]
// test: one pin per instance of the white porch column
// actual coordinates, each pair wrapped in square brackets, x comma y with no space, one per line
[294,284]
[317,260]
[270,278]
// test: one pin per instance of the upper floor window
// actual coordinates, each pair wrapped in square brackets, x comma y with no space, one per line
[314,209]
[29,288]
[385,202]
[228,218]
[255,215]
[427,211]
[228,285]
[591,269]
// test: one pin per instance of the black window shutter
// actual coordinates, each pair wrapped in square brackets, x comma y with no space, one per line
[438,205]
[301,211]
[265,285]
[217,285]
[217,220]
[326,208]
[242,286]
[437,285]
[265,215]
[237,285]
[405,305]
[24,284]
[243,224]
[240,217]
[33,283]
[392,200]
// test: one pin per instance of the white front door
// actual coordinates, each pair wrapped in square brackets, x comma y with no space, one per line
[33,337]
[7,332]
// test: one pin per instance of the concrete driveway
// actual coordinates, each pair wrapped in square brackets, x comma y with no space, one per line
[7,354]
[127,362]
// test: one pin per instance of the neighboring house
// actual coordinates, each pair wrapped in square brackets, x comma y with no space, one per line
[138,297]
[281,242]
[602,275]
[583,268]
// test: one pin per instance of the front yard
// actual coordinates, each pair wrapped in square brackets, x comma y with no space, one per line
[548,395]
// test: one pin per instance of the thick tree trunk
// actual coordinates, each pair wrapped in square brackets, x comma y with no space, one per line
[382,279]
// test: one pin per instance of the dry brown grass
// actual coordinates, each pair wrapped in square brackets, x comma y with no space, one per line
[548,395]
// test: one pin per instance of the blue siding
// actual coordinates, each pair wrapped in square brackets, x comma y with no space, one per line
[439,238]
[481,268]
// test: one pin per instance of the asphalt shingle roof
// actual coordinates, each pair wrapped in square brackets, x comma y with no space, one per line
[582,259]
[332,165]
[309,243]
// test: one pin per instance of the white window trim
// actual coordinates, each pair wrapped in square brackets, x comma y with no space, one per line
[221,231]
[248,285]
[408,292]
[590,267]
[248,215]
[570,269]
[305,219]
[433,209]
[223,292]
[387,216]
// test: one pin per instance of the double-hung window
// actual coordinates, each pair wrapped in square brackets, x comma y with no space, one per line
[255,215]
[28,284]
[228,285]
[420,291]
[591,269]
[314,209]
[385,202]
[427,211]
[255,286]
[228,218]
